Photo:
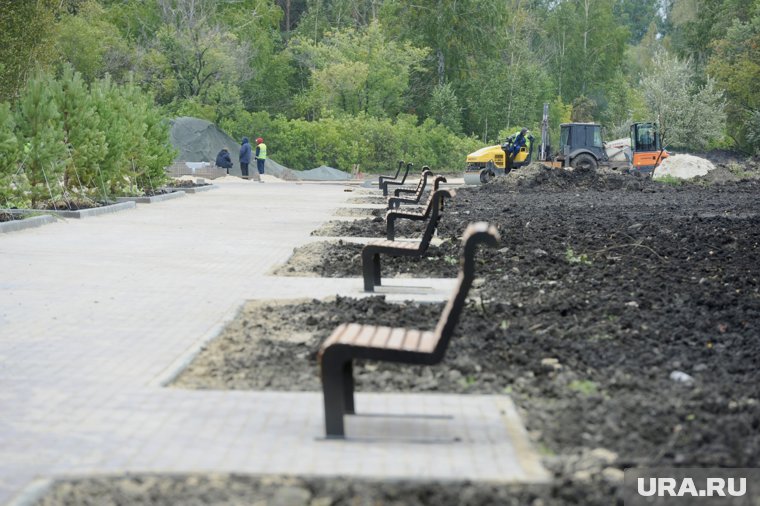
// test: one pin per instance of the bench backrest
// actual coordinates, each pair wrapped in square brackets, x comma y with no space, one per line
[398,169]
[423,181]
[436,205]
[476,233]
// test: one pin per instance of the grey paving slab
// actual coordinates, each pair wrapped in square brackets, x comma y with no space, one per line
[96,314]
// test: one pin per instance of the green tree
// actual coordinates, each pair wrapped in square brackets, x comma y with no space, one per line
[688,115]
[83,133]
[444,107]
[584,109]
[40,131]
[118,123]
[454,31]
[637,15]
[9,159]
[93,45]
[735,65]
[356,71]
[27,30]
[586,44]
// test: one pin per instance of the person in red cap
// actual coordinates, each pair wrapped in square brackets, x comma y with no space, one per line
[261,155]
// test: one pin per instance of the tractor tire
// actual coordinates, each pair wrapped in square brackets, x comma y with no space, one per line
[584,162]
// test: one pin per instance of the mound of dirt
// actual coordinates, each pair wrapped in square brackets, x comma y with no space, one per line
[540,178]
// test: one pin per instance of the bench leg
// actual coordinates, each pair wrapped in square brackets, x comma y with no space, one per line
[390,227]
[376,276]
[334,390]
[348,388]
[370,269]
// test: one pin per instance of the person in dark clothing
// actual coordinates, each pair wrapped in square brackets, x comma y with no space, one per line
[520,141]
[245,156]
[223,159]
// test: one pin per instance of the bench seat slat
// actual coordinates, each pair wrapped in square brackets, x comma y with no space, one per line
[365,335]
[411,340]
[396,338]
[380,339]
[349,334]
[428,342]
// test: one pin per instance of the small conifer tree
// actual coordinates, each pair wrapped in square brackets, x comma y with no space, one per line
[40,132]
[83,134]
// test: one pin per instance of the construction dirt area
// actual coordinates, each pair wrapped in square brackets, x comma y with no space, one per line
[619,313]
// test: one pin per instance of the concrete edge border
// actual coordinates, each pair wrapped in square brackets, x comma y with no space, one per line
[81,213]
[170,373]
[152,199]
[32,492]
[32,222]
[194,189]
[527,456]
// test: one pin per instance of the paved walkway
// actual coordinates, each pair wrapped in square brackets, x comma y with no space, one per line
[96,314]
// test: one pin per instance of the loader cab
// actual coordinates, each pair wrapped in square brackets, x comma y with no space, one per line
[581,145]
[646,147]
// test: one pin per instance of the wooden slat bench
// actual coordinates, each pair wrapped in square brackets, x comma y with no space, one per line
[395,202]
[396,181]
[407,346]
[371,252]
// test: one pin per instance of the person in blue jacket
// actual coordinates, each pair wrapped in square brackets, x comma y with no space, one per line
[223,159]
[245,156]
[519,141]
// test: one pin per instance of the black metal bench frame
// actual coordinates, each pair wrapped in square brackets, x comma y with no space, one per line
[381,179]
[349,342]
[416,190]
[395,202]
[411,214]
[385,183]
[371,270]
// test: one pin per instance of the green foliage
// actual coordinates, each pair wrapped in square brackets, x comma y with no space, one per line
[40,131]
[584,110]
[688,115]
[67,140]
[83,133]
[584,387]
[444,107]
[26,36]
[93,45]
[355,71]
[753,131]
[637,15]
[670,180]
[735,65]
[373,143]
[586,44]
[574,258]
[9,156]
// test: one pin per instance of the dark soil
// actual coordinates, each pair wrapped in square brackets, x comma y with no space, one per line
[621,315]
[180,183]
[72,205]
[10,217]
[228,490]
[158,191]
